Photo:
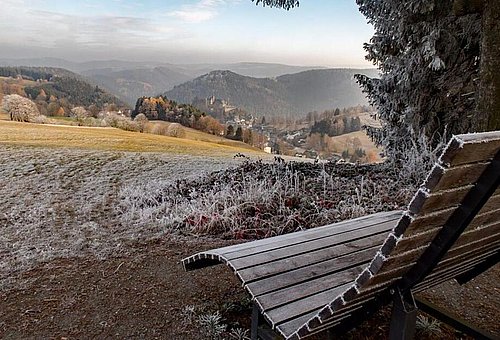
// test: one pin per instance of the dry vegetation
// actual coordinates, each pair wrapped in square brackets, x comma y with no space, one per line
[13,133]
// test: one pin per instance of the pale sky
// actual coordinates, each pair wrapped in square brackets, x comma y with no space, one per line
[317,33]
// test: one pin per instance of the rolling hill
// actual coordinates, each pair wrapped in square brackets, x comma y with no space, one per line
[287,95]
[48,84]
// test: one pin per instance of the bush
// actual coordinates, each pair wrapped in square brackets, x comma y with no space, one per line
[141,120]
[172,130]
[176,130]
[20,109]
[120,122]
[158,129]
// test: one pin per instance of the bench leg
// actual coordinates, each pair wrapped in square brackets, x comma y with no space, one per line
[254,331]
[404,317]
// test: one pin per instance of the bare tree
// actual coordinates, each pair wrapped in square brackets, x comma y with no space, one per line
[141,120]
[19,108]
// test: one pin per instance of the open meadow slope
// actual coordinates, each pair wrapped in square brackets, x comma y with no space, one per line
[195,143]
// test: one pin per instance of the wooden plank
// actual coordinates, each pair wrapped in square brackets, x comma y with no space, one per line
[460,175]
[389,275]
[479,137]
[492,204]
[415,241]
[309,234]
[303,274]
[484,218]
[476,152]
[461,264]
[308,251]
[272,243]
[303,306]
[468,240]
[444,199]
[290,294]
[426,222]
[291,326]
[452,272]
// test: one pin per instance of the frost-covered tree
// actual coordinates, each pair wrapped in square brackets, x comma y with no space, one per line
[141,120]
[429,63]
[20,109]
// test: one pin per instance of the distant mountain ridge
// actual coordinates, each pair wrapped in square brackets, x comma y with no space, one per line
[287,95]
[130,80]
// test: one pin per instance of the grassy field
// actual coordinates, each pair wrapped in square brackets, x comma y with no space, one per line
[195,143]
[346,142]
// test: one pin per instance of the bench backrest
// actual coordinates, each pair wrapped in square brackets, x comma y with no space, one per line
[452,224]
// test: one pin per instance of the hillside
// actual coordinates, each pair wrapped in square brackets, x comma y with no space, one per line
[110,139]
[287,95]
[131,84]
[48,85]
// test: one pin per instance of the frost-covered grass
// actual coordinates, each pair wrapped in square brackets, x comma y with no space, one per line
[260,200]
[62,202]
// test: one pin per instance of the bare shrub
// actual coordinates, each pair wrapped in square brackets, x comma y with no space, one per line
[19,108]
[120,122]
[141,120]
[80,115]
[176,130]
[171,130]
[159,129]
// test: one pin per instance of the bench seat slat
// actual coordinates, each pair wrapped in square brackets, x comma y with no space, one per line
[312,258]
[408,243]
[311,249]
[250,248]
[303,274]
[303,306]
[460,175]
[292,293]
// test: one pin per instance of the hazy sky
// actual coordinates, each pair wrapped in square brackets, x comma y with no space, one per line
[319,32]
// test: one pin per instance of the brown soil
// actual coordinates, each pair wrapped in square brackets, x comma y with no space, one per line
[143,295]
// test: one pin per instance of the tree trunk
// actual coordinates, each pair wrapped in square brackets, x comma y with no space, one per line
[489,88]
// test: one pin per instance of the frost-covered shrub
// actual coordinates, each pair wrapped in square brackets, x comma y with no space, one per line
[120,122]
[176,130]
[171,130]
[141,120]
[19,108]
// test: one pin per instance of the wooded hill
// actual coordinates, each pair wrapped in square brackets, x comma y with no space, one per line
[56,85]
[288,95]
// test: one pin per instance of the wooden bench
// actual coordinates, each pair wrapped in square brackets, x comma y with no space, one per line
[334,276]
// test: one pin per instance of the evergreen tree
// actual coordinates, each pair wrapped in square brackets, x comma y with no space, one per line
[238,135]
[428,59]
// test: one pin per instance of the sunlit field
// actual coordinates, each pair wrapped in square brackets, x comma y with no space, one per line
[90,138]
